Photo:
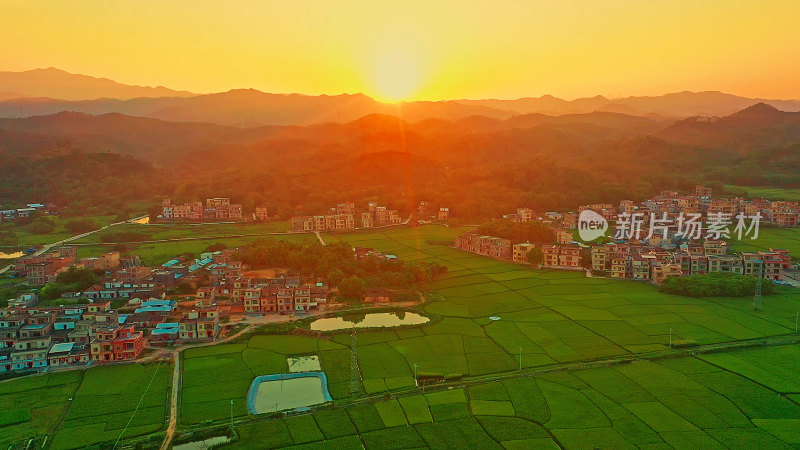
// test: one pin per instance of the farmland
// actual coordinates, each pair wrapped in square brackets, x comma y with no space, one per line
[546,317]
[771,193]
[551,324]
[159,252]
[676,402]
[79,408]
[769,237]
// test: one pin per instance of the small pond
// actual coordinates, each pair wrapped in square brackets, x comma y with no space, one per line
[279,392]
[371,320]
[308,363]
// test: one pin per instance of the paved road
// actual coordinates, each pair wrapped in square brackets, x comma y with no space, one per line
[176,382]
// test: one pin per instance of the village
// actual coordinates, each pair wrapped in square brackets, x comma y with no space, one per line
[651,257]
[133,307]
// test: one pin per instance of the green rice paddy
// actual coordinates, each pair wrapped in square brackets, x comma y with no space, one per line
[672,403]
[79,408]
[548,319]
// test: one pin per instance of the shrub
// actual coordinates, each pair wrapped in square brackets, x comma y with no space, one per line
[715,285]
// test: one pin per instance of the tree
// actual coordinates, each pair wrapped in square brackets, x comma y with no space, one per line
[218,247]
[80,277]
[78,226]
[535,257]
[8,238]
[351,287]
[42,225]
[586,259]
[335,276]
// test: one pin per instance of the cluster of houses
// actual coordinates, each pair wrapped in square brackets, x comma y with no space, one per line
[219,208]
[646,256]
[8,215]
[650,263]
[501,248]
[34,337]
[343,217]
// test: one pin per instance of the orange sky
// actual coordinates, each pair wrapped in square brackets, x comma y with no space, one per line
[416,49]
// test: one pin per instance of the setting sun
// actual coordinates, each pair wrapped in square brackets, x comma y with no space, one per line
[396,76]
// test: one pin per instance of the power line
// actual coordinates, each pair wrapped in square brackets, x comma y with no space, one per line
[141,401]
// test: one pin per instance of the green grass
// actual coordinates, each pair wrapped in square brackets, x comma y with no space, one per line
[161,252]
[769,237]
[14,416]
[770,193]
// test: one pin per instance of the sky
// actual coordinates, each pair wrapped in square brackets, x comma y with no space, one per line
[416,50]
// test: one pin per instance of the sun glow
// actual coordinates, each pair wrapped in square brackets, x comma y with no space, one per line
[396,75]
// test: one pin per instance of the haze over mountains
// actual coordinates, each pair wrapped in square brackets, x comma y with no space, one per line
[49,91]
[299,153]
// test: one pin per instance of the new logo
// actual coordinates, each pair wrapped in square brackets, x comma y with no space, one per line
[591,225]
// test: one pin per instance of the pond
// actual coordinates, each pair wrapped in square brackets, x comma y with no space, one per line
[4,255]
[270,393]
[371,320]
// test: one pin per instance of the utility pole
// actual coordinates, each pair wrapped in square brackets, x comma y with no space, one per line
[520,358]
[670,338]
[796,320]
[416,383]
[355,374]
[757,297]
[231,415]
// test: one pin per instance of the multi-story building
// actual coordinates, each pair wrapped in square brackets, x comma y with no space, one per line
[128,344]
[619,266]
[660,271]
[346,208]
[715,247]
[367,220]
[569,256]
[102,346]
[260,213]
[215,209]
[444,214]
[702,191]
[323,223]
[551,253]
[563,236]
[725,264]
[520,252]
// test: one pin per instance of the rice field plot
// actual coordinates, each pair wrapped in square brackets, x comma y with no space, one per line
[213,376]
[674,402]
[769,237]
[38,402]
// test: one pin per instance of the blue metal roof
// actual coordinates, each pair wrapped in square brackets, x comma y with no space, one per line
[154,309]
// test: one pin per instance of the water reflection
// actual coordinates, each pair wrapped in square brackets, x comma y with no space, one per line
[371,320]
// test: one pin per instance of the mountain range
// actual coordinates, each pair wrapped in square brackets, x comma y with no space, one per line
[41,92]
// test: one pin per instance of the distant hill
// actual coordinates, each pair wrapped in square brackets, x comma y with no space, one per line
[760,126]
[42,92]
[543,161]
[679,104]
[55,83]
[249,107]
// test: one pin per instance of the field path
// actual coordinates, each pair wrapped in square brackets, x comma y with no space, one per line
[176,382]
